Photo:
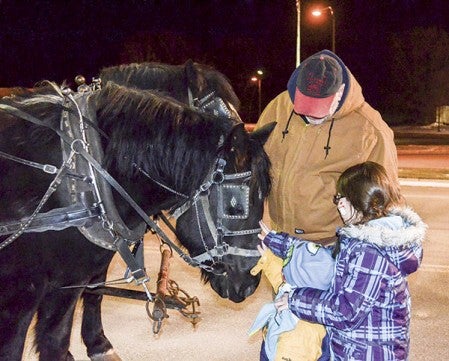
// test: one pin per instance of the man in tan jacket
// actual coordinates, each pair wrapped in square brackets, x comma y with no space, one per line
[324,126]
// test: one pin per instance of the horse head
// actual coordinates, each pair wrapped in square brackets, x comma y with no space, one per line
[220,227]
[205,90]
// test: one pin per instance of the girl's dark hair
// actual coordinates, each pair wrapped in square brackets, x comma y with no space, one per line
[369,189]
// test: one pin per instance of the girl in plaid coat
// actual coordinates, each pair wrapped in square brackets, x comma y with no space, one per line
[366,311]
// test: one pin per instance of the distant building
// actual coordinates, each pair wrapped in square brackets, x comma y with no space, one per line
[442,114]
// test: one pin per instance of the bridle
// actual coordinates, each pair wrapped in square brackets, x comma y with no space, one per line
[213,104]
[229,188]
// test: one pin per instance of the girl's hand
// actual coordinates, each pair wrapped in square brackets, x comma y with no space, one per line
[281,304]
[261,248]
[265,230]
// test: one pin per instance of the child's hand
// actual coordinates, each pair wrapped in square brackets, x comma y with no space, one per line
[281,304]
[265,230]
[261,248]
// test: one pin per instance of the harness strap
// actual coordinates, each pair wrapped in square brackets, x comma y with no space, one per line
[136,207]
[47,168]
[54,220]
[210,223]
[27,116]
[227,249]
[51,189]
[138,273]
[160,184]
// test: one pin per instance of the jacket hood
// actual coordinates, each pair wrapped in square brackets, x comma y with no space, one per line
[397,235]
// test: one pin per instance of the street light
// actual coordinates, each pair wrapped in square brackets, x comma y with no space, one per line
[298,32]
[258,79]
[319,12]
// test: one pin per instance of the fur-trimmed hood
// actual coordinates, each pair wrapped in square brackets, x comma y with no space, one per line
[399,236]
[401,227]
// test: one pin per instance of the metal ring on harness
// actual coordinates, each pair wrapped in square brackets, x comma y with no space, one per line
[218,177]
[73,145]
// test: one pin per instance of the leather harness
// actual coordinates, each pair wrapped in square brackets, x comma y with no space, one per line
[91,206]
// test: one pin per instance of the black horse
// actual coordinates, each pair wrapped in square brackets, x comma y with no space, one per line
[200,86]
[162,152]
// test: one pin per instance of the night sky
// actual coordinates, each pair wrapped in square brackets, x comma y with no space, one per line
[57,40]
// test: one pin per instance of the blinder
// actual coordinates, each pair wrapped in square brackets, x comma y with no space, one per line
[211,104]
[232,195]
[235,201]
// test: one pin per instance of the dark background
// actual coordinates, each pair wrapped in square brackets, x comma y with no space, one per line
[398,50]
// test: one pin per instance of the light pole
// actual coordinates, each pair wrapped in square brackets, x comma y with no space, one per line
[258,79]
[298,33]
[319,12]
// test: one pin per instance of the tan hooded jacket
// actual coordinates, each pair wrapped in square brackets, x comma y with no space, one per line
[304,178]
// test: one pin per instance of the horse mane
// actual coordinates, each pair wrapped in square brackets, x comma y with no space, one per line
[170,141]
[44,102]
[174,79]
[148,75]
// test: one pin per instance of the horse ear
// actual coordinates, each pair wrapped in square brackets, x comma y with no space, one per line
[263,133]
[237,144]
[191,75]
[238,135]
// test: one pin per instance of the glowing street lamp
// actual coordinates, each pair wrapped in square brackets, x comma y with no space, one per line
[319,12]
[258,79]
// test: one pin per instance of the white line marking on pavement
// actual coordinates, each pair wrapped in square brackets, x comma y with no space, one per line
[424,183]
[434,268]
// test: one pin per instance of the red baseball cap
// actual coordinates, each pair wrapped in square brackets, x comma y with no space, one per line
[319,78]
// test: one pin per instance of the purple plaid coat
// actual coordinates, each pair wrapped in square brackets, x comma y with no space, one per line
[367,309]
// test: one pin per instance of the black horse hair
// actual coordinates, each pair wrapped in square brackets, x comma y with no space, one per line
[148,125]
[173,79]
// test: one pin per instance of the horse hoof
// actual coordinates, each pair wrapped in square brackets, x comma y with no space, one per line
[106,356]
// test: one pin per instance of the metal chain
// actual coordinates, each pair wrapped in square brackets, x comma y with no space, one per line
[199,228]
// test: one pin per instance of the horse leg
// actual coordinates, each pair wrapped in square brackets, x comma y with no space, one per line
[20,294]
[15,320]
[98,346]
[54,324]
